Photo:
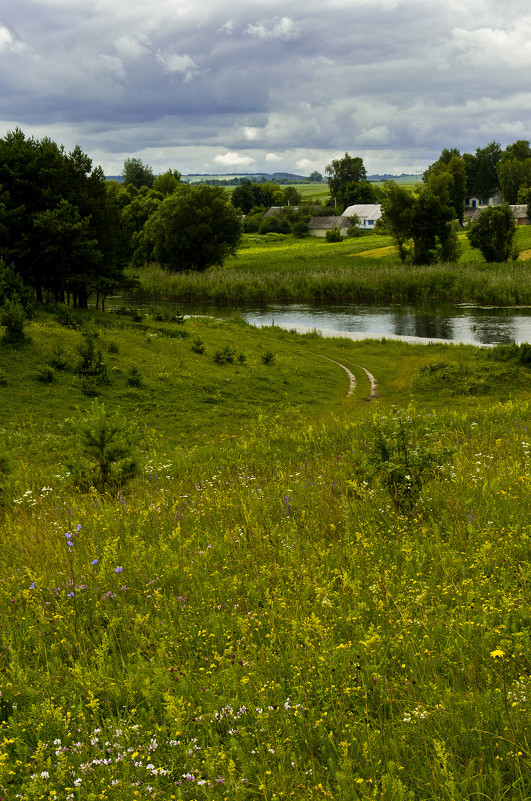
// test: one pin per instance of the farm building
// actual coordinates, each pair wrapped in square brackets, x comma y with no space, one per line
[276,209]
[367,213]
[519,211]
[318,226]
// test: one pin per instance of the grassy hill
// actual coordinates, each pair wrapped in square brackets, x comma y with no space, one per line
[303,594]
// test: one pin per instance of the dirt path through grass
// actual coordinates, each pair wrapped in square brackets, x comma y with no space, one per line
[373,394]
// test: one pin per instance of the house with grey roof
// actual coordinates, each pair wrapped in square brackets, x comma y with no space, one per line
[367,213]
[519,211]
[318,226]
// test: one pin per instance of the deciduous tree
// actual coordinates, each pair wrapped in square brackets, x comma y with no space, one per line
[192,229]
[493,233]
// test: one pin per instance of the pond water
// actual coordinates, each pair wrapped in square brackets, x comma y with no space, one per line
[448,322]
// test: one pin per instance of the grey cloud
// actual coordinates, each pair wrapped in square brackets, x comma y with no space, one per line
[267,80]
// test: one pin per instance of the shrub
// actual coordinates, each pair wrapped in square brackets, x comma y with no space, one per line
[268,358]
[13,317]
[134,379]
[107,443]
[334,235]
[46,374]
[58,360]
[113,347]
[404,454]
[225,356]
[91,366]
[197,346]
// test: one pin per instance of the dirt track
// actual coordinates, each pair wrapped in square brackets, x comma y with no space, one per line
[373,394]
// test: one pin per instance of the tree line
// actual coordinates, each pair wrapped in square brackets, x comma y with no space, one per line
[67,232]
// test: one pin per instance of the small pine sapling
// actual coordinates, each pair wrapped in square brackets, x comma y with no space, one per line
[108,458]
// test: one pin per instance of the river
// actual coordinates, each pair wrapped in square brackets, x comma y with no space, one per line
[477,325]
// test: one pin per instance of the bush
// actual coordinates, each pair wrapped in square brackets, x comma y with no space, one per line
[268,358]
[225,356]
[58,360]
[134,379]
[299,229]
[13,317]
[107,443]
[334,235]
[46,374]
[404,453]
[91,367]
[197,346]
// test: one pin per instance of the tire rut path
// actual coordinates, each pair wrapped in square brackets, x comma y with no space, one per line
[373,394]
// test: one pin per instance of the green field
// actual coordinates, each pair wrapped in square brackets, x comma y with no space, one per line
[272,608]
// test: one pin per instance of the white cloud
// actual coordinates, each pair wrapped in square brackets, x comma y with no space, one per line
[282,28]
[251,133]
[234,160]
[8,43]
[132,48]
[227,28]
[174,62]
[273,157]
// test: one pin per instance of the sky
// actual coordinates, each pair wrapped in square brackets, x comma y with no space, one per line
[225,86]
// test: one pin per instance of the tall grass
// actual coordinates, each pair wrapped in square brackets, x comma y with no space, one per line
[252,618]
[287,269]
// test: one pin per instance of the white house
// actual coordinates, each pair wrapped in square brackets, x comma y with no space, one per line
[472,203]
[367,213]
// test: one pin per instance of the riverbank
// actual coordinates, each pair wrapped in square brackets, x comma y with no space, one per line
[312,270]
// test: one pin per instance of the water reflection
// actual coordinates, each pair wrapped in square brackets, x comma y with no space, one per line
[469,324]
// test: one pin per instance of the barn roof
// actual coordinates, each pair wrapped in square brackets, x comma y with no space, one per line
[329,222]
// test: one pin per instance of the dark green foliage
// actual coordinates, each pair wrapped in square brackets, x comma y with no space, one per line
[66,318]
[242,358]
[268,358]
[11,285]
[521,354]
[60,226]
[167,182]
[58,359]
[482,170]
[344,178]
[13,317]
[107,443]
[225,356]
[299,229]
[164,316]
[113,347]
[138,174]
[134,379]
[421,224]
[46,374]
[275,224]
[3,378]
[334,235]
[404,453]
[197,346]
[451,163]
[191,230]
[493,233]
[91,367]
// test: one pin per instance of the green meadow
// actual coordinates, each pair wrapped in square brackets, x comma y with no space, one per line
[366,268]
[316,587]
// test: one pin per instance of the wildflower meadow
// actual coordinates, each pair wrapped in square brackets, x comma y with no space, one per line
[290,592]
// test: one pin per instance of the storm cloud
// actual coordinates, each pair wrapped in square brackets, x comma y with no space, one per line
[247,86]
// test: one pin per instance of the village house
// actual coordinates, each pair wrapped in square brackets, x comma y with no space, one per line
[367,214]
[519,211]
[318,226]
